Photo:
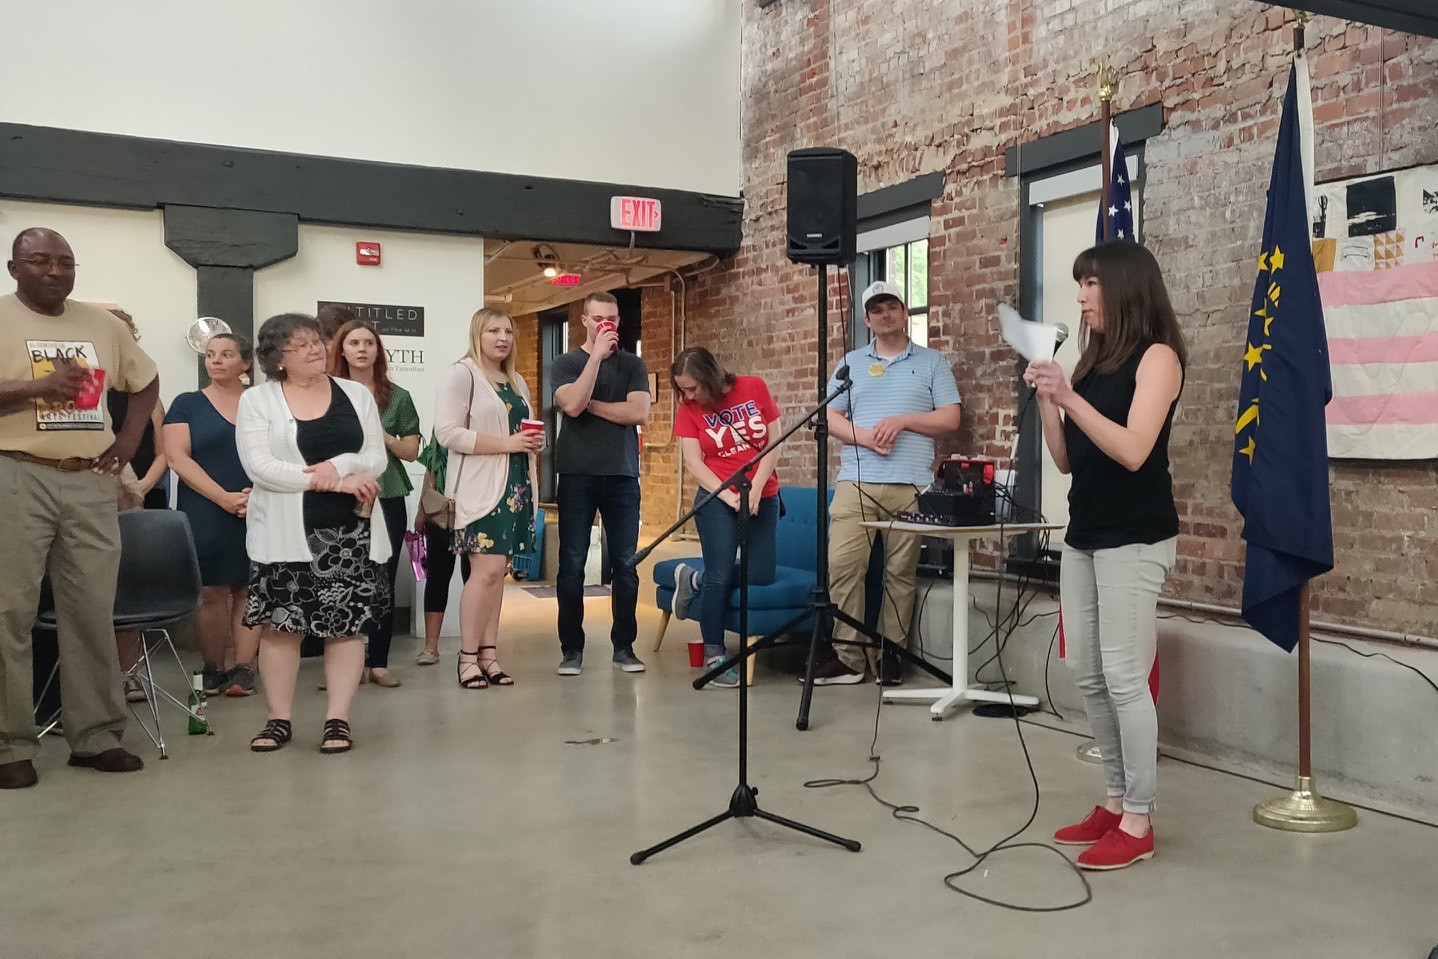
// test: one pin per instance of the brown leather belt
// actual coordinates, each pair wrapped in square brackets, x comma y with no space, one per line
[70,464]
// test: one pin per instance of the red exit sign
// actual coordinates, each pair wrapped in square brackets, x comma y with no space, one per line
[565,279]
[634,213]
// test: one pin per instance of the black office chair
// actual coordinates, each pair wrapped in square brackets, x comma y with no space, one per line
[158,586]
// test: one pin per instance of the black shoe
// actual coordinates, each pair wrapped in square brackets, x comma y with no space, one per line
[891,670]
[214,680]
[18,775]
[112,760]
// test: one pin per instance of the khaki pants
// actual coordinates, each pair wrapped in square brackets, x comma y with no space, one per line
[65,524]
[849,546]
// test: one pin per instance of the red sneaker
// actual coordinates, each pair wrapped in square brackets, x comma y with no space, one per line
[1116,850]
[1091,830]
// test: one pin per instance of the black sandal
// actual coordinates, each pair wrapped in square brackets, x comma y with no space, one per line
[497,678]
[479,680]
[277,731]
[339,730]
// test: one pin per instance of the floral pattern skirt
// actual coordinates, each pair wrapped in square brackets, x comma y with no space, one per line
[338,593]
[508,529]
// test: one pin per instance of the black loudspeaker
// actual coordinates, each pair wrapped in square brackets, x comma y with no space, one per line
[823,206]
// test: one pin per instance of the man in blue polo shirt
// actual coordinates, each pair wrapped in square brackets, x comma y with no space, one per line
[904,396]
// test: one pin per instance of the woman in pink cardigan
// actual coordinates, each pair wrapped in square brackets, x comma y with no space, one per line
[478,408]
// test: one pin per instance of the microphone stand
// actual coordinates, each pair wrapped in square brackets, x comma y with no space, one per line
[743,803]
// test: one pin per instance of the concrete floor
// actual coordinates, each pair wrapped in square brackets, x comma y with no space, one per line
[468,823]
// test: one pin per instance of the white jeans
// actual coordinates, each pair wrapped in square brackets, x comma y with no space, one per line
[1110,600]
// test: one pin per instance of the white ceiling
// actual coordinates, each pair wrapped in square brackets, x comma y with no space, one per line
[514,281]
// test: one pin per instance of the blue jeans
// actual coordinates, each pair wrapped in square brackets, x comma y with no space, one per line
[719,542]
[616,499]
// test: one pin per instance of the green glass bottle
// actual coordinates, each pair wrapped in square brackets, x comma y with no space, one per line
[199,723]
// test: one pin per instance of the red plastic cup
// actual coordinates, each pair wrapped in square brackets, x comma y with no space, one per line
[89,397]
[696,653]
[531,426]
[607,326]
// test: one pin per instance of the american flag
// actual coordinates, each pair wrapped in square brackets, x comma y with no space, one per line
[1119,213]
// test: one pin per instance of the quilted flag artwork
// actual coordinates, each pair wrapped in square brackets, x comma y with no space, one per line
[1375,245]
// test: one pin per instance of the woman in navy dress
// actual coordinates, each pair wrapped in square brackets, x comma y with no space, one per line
[214,494]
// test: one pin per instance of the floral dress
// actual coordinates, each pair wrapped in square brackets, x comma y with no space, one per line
[508,530]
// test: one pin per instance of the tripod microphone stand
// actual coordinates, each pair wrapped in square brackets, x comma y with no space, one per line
[743,803]
[821,607]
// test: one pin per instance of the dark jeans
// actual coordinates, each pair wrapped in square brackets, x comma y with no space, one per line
[719,541]
[379,634]
[616,498]
[439,568]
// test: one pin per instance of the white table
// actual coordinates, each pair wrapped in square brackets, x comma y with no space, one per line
[962,537]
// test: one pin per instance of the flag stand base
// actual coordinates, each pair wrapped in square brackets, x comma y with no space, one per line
[1088,752]
[1304,810]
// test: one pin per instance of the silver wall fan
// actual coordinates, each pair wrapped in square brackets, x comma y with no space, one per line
[200,331]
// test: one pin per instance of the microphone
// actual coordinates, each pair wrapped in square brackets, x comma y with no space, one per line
[842,373]
[1061,333]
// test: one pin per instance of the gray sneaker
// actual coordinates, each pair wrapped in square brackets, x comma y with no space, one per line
[214,680]
[626,660]
[241,682]
[683,590]
[572,664]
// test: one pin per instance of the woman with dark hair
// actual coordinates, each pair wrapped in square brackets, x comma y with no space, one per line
[479,406]
[439,559]
[357,353]
[214,493]
[722,422]
[314,448]
[1109,431]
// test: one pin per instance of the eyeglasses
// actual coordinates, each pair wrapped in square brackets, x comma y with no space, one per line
[308,346]
[44,261]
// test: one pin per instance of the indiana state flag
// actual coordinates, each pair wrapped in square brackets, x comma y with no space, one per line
[1280,450]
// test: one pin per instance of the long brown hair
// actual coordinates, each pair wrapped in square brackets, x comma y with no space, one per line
[1137,312]
[340,366]
[706,370]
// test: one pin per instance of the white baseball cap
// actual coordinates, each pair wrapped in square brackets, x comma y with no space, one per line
[877,289]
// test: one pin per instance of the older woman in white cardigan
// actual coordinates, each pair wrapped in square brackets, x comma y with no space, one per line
[478,408]
[313,446]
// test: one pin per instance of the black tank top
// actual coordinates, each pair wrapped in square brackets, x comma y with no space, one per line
[1110,506]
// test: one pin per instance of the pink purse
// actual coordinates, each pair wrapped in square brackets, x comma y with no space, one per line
[414,542]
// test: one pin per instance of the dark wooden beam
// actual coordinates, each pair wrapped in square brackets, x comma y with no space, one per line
[100,169]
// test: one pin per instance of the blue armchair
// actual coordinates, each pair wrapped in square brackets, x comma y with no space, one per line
[773,605]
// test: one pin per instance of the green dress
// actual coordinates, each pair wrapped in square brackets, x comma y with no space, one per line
[508,530]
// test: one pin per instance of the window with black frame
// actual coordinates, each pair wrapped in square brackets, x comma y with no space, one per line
[906,266]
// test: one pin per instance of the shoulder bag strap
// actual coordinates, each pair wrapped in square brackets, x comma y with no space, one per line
[453,488]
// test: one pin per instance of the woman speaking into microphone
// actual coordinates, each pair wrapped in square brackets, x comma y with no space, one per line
[1109,431]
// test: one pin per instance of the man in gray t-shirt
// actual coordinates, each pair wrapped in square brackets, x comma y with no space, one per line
[604,395]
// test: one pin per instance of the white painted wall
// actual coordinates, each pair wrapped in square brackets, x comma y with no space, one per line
[631,91]
[443,274]
[123,259]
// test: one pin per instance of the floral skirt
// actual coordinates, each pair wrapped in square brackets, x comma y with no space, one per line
[508,529]
[338,593]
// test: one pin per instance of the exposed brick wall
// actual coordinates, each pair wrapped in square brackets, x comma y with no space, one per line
[659,463]
[526,356]
[928,85]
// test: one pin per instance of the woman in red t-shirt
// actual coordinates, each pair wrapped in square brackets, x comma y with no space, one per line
[723,421]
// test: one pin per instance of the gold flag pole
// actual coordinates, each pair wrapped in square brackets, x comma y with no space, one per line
[1304,809]
[1088,750]
[1105,99]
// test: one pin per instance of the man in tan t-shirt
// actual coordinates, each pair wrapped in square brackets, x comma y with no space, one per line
[58,463]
